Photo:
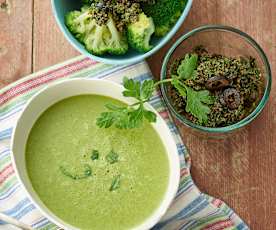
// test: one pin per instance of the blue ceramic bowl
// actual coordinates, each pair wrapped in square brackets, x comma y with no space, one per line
[61,7]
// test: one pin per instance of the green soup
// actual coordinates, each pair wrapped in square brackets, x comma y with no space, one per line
[95,178]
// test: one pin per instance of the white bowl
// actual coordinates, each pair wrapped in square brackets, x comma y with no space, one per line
[54,93]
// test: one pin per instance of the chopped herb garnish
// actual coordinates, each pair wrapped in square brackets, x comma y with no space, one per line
[87,172]
[115,184]
[112,157]
[95,155]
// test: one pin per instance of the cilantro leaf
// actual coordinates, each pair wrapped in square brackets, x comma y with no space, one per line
[197,103]
[112,157]
[187,66]
[115,184]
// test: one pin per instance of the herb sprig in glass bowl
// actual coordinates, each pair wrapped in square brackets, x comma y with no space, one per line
[132,116]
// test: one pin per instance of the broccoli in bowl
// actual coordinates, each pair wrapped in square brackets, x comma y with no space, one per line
[112,27]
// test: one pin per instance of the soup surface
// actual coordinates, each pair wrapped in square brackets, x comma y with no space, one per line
[95,178]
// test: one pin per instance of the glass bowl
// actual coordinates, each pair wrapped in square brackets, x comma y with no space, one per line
[223,40]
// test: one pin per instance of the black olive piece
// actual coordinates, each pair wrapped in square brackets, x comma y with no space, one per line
[231,98]
[217,82]
[251,98]
[244,82]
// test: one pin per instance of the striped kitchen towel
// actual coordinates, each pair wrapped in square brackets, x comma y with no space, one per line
[191,209]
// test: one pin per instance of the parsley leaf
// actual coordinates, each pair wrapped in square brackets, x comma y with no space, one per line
[95,155]
[112,157]
[150,116]
[136,117]
[87,172]
[115,184]
[140,91]
[187,67]
[132,88]
[117,116]
[147,89]
[179,86]
[125,117]
[105,120]
[197,103]
[132,116]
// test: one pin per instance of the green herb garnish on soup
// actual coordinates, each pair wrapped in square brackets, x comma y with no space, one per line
[95,155]
[112,157]
[120,183]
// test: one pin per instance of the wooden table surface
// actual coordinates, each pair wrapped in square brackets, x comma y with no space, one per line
[240,170]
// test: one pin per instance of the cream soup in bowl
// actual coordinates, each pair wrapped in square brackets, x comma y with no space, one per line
[85,177]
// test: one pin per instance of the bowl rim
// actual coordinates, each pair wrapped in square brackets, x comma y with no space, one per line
[247,119]
[173,159]
[140,57]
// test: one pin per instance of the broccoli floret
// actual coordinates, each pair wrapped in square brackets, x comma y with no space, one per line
[164,13]
[94,39]
[139,33]
[75,21]
[97,39]
[117,41]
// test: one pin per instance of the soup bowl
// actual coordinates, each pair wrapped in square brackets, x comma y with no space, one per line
[58,91]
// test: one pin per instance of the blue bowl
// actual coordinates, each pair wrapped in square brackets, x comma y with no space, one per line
[61,7]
